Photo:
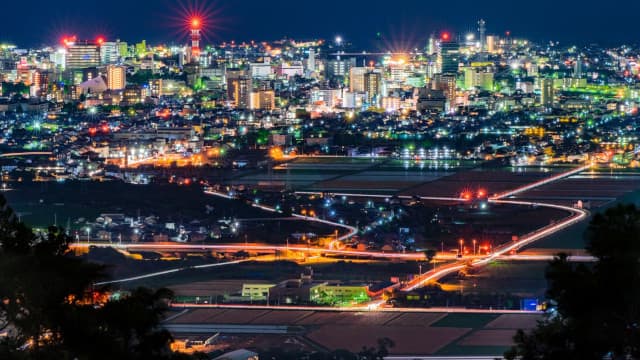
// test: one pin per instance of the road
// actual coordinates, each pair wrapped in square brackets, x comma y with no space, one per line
[436,274]
[361,308]
[576,216]
[171,271]
[27,153]
[351,231]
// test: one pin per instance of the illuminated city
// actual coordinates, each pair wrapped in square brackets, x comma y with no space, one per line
[457,192]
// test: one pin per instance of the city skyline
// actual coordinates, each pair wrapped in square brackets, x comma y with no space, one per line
[407,26]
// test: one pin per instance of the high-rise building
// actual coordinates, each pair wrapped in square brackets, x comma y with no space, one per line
[492,44]
[58,58]
[577,68]
[446,83]
[155,86]
[263,100]
[356,79]
[482,29]
[239,88]
[432,45]
[311,61]
[546,92]
[123,49]
[478,77]
[82,55]
[339,67]
[109,53]
[116,77]
[141,48]
[41,82]
[372,85]
[448,55]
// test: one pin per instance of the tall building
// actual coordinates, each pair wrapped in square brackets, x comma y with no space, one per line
[196,27]
[372,85]
[155,86]
[59,58]
[311,61]
[40,83]
[82,55]
[482,29]
[356,79]
[109,53]
[263,100]
[123,49]
[577,68]
[446,83]
[448,55]
[116,77]
[546,92]
[339,67]
[478,77]
[239,88]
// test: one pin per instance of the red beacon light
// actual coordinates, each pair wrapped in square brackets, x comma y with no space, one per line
[445,36]
[100,40]
[196,23]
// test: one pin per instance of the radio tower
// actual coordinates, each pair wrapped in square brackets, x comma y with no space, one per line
[196,26]
[482,28]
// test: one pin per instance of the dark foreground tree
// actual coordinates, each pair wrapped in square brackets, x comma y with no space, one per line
[597,306]
[50,310]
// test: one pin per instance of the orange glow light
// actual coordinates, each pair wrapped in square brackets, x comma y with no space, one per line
[196,23]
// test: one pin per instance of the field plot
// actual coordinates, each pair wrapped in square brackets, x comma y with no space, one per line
[518,278]
[510,321]
[494,181]
[416,319]
[488,338]
[597,188]
[407,340]
[414,333]
[281,317]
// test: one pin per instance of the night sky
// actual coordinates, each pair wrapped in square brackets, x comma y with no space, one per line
[402,24]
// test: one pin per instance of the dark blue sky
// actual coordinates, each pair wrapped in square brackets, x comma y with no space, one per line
[402,23]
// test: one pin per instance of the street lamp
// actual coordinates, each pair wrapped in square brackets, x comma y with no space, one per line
[88,230]
[474,246]
[461,242]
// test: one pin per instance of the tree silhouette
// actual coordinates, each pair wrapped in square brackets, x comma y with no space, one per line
[50,309]
[597,307]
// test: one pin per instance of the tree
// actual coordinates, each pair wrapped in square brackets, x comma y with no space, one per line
[597,307]
[378,353]
[430,254]
[50,309]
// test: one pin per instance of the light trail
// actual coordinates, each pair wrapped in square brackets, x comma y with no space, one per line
[542,182]
[360,308]
[577,215]
[351,230]
[167,272]
[28,153]
[248,248]
[379,196]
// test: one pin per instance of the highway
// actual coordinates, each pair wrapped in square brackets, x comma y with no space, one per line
[272,249]
[576,216]
[500,253]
